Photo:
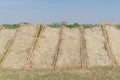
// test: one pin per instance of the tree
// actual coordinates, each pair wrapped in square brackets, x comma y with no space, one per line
[73,25]
[11,26]
[54,25]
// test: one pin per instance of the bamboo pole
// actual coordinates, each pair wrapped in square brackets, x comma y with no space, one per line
[108,47]
[58,50]
[83,53]
[38,33]
[8,47]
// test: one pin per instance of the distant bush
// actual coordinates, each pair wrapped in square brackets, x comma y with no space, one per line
[118,26]
[87,25]
[72,25]
[11,26]
[54,25]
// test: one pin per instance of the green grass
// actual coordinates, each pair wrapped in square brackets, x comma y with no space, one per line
[95,73]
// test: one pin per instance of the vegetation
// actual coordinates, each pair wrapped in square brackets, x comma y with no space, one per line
[87,25]
[94,73]
[11,26]
[118,26]
[55,25]
[75,25]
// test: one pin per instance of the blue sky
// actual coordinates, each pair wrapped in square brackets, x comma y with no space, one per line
[48,11]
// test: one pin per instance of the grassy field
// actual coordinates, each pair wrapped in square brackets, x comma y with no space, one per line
[95,73]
